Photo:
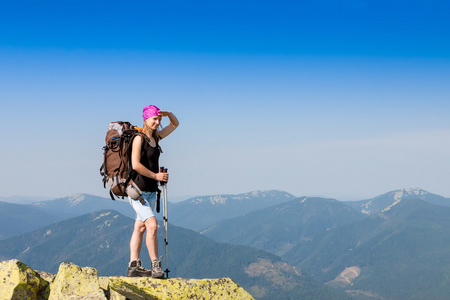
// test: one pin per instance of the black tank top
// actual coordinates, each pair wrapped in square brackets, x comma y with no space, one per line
[150,160]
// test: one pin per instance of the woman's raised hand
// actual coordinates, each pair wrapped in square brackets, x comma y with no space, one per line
[163,113]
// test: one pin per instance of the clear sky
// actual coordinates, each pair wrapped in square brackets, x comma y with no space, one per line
[343,99]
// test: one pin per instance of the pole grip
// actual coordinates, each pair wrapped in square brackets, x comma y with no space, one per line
[162,170]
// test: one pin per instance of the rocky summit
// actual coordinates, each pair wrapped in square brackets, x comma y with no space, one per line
[18,281]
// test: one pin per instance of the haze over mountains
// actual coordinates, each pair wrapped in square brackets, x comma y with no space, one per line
[393,246]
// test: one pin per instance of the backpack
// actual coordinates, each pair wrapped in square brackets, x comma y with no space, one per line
[116,169]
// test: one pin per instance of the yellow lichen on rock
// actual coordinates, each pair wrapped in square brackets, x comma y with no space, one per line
[73,282]
[178,288]
[18,281]
[113,295]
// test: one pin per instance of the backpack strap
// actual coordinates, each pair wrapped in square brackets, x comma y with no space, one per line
[131,172]
[103,170]
[121,154]
[111,195]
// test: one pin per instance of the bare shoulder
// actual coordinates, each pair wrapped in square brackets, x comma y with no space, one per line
[137,137]
[137,141]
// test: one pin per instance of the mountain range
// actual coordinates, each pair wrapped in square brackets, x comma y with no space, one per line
[393,246]
[384,201]
[80,204]
[101,240]
[195,213]
[201,212]
[278,228]
[399,253]
[20,218]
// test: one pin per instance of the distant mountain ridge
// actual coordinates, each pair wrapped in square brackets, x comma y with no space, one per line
[223,199]
[200,212]
[195,215]
[279,227]
[23,199]
[17,219]
[388,200]
[80,204]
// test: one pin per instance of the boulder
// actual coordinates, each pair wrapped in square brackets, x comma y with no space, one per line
[76,283]
[113,295]
[18,281]
[178,288]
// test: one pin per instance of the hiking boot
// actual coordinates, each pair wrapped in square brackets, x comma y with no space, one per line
[135,269]
[157,271]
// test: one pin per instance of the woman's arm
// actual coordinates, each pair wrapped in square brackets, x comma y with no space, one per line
[169,128]
[140,168]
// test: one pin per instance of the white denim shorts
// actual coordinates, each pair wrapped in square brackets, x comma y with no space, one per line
[143,212]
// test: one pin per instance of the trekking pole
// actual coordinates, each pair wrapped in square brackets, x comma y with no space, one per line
[165,218]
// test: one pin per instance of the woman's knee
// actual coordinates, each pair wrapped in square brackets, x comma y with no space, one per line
[151,225]
[139,227]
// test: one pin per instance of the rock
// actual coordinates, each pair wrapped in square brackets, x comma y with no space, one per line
[113,295]
[178,288]
[18,281]
[46,276]
[75,283]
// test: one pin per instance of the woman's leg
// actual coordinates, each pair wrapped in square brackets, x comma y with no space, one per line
[136,240]
[152,246]
[151,239]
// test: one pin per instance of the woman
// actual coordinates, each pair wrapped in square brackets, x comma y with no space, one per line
[144,159]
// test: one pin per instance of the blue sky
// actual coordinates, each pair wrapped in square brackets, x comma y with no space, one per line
[344,99]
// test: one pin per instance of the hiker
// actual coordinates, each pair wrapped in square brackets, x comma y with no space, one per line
[145,162]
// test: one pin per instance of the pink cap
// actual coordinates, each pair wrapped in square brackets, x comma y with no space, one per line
[150,111]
